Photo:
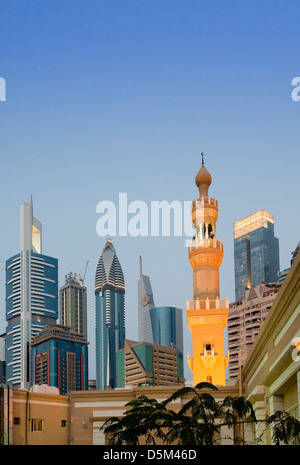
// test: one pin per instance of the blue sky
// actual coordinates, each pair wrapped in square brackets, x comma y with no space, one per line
[113,96]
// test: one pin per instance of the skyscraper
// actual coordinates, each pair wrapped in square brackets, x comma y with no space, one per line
[110,315]
[157,325]
[206,314]
[60,359]
[31,298]
[245,319]
[145,303]
[256,252]
[166,324]
[73,304]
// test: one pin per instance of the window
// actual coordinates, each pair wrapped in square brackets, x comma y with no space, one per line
[17,421]
[37,424]
[63,423]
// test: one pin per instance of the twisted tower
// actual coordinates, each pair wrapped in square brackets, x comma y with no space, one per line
[206,314]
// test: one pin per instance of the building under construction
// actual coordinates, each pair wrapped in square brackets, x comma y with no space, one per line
[73,304]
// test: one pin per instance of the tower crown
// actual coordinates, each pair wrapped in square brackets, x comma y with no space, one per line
[203,181]
[109,271]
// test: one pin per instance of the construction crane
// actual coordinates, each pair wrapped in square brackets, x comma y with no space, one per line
[80,278]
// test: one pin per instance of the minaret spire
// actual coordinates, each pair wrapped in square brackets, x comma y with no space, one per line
[206,313]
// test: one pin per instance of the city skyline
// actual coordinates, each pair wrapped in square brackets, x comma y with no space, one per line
[108,98]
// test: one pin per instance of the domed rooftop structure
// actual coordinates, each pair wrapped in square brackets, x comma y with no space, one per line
[203,180]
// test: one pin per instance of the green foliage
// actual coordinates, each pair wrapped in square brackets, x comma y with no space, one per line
[198,422]
[285,428]
[194,424]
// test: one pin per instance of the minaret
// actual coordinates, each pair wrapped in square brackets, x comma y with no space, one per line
[206,314]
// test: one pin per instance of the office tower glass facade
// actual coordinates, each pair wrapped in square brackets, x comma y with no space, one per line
[157,325]
[31,298]
[256,252]
[109,314]
[166,323]
[73,304]
[60,359]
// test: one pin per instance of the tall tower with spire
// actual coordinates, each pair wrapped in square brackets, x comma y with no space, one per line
[31,298]
[206,314]
[110,315]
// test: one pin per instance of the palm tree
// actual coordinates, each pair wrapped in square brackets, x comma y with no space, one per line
[285,428]
[194,424]
[197,423]
[144,420]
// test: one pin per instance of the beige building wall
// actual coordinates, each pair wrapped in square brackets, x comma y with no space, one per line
[40,419]
[89,410]
[271,373]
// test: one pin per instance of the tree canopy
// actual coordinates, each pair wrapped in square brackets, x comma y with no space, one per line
[198,422]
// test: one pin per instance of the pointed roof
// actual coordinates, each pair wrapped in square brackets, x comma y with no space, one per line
[252,294]
[109,271]
[203,180]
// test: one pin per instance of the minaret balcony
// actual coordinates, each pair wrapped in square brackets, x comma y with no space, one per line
[205,243]
[207,312]
[204,201]
[207,304]
[204,211]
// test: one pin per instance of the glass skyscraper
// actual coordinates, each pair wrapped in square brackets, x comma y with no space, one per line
[256,252]
[157,325]
[110,315]
[166,323]
[31,298]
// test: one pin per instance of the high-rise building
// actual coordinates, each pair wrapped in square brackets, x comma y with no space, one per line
[110,315]
[157,325]
[256,251]
[244,322]
[145,303]
[60,359]
[31,298]
[146,364]
[206,314]
[166,324]
[73,304]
